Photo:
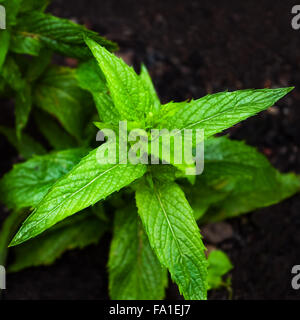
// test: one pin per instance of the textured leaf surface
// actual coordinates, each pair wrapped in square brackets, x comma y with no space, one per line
[60,35]
[134,270]
[145,76]
[217,112]
[27,183]
[237,179]
[86,184]
[127,90]
[91,78]
[218,265]
[174,235]
[76,232]
[58,94]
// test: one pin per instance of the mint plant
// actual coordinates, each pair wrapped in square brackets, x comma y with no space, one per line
[27,46]
[65,199]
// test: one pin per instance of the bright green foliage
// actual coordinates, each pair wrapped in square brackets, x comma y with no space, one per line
[174,235]
[66,103]
[91,78]
[127,89]
[87,183]
[134,271]
[30,31]
[149,85]
[4,40]
[75,232]
[217,112]
[22,44]
[32,5]
[38,65]
[27,183]
[23,107]
[12,9]
[26,146]
[218,265]
[237,179]
[11,73]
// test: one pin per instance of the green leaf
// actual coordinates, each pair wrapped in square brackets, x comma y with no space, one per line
[57,93]
[75,232]
[86,184]
[91,78]
[174,235]
[60,35]
[57,137]
[218,265]
[127,89]
[34,5]
[237,179]
[4,40]
[27,183]
[150,87]
[134,271]
[23,105]
[217,112]
[26,145]
[24,43]
[12,74]
[38,65]
[2,85]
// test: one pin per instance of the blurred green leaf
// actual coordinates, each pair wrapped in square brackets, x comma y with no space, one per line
[237,179]
[216,112]
[57,93]
[12,74]
[12,8]
[28,182]
[218,265]
[60,35]
[87,183]
[38,65]
[4,40]
[75,232]
[23,105]
[25,43]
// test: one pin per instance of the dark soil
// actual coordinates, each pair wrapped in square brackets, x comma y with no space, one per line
[193,47]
